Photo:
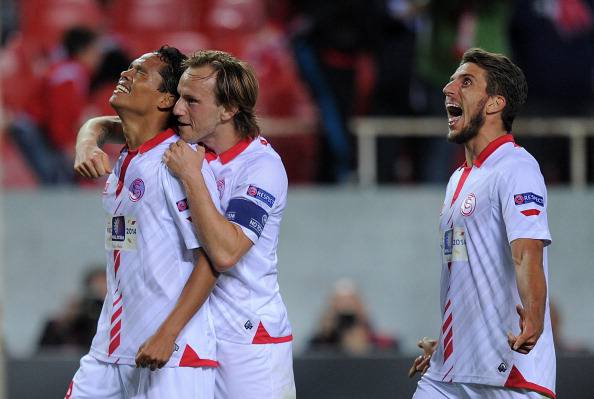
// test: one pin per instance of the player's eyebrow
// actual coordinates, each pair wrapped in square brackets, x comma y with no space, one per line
[462,75]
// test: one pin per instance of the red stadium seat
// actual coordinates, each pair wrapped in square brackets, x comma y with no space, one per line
[234,17]
[150,16]
[44,21]
[18,73]
[15,171]
[186,41]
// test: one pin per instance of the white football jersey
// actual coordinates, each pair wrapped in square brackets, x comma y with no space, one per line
[246,303]
[500,198]
[150,243]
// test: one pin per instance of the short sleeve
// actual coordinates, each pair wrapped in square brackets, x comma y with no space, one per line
[523,198]
[177,202]
[259,192]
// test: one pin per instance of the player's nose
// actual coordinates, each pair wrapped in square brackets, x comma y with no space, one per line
[178,108]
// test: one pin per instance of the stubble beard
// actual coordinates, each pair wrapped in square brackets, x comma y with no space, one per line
[469,132]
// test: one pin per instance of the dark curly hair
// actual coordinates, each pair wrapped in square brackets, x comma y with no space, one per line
[174,59]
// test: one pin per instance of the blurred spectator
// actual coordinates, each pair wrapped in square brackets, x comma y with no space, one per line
[345,327]
[562,346]
[559,72]
[452,27]
[46,131]
[331,40]
[393,89]
[8,19]
[114,61]
[74,328]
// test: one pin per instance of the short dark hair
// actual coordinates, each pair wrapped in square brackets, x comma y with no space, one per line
[236,87]
[504,78]
[173,69]
[78,38]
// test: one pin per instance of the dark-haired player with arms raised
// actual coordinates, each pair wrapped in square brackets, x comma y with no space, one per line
[495,338]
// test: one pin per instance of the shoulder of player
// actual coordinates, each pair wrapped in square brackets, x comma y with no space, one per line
[269,161]
[518,164]
[517,160]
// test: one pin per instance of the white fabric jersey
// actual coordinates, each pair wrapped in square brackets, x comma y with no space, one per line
[150,242]
[246,303]
[502,197]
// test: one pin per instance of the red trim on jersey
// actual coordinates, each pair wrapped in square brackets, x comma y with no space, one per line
[155,141]
[448,337]
[115,329]
[262,337]
[116,262]
[69,391]
[114,344]
[463,178]
[209,155]
[146,146]
[491,147]
[116,314]
[447,306]
[118,300]
[446,374]
[517,380]
[530,212]
[447,323]
[448,351]
[129,156]
[234,151]
[191,359]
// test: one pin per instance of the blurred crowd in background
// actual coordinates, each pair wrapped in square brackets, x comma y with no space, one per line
[319,65]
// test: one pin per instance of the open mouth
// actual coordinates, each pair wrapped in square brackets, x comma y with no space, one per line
[454,113]
[120,88]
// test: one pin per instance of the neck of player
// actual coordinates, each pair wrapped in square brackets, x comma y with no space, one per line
[491,130]
[138,129]
[224,138]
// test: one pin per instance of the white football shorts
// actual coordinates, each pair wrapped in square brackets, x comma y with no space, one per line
[99,380]
[254,371]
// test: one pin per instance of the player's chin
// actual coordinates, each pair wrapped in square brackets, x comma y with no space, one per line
[185,132]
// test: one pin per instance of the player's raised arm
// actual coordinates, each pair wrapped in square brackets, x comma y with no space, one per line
[157,350]
[528,260]
[225,242]
[90,161]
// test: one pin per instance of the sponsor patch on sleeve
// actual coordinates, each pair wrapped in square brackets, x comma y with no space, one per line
[182,205]
[527,198]
[261,195]
[247,214]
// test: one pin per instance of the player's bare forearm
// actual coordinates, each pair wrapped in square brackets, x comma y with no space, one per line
[96,131]
[224,242]
[157,350]
[90,161]
[531,282]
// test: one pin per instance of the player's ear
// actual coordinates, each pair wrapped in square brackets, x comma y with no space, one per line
[495,104]
[167,101]
[227,113]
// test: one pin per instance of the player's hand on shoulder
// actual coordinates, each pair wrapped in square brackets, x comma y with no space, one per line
[156,351]
[183,161]
[421,363]
[530,331]
[91,162]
